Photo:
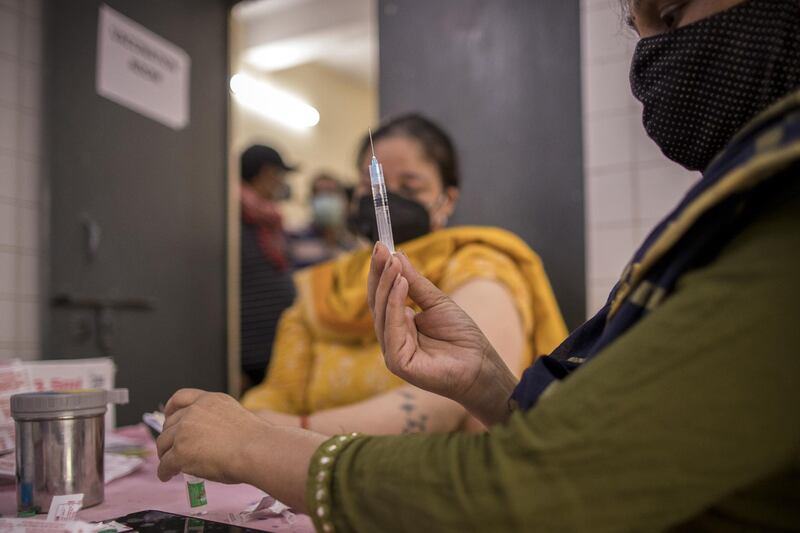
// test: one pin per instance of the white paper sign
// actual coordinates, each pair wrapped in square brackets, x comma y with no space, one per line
[142,71]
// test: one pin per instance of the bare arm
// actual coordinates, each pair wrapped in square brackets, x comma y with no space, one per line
[500,322]
[409,409]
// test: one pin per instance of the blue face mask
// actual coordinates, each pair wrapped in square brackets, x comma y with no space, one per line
[328,210]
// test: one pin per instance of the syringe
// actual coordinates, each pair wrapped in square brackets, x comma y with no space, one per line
[380,200]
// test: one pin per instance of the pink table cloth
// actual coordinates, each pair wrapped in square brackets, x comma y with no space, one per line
[142,490]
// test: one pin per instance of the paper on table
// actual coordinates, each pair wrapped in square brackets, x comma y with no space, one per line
[118,443]
[34,525]
[65,508]
[116,466]
[14,378]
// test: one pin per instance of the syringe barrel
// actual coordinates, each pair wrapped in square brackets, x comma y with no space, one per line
[381,203]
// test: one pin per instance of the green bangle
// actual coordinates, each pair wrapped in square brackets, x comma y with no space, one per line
[320,479]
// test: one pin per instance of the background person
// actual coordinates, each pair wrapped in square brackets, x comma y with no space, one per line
[266,284]
[327,236]
[326,371]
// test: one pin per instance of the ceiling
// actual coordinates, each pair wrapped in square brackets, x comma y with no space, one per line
[340,34]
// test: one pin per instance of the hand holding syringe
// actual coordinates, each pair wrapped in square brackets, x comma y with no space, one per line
[195,487]
[380,200]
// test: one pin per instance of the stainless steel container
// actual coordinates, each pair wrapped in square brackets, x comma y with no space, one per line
[59,446]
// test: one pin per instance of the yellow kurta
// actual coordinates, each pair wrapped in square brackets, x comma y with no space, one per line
[326,354]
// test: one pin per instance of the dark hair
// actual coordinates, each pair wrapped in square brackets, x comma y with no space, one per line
[436,144]
[324,176]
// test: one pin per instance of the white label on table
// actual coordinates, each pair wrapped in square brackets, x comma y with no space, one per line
[141,70]
[35,525]
[65,507]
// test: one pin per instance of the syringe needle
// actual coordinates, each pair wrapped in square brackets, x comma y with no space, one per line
[370,142]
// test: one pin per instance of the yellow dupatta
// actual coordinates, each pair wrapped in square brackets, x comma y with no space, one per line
[326,354]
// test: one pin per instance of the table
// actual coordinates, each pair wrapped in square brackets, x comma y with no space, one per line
[142,490]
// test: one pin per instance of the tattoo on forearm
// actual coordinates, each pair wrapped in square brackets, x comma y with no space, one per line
[416,422]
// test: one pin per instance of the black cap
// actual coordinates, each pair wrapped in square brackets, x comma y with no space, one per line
[258,155]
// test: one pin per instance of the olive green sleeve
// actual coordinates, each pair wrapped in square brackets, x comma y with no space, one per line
[696,402]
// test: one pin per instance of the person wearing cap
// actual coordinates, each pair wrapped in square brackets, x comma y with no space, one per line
[266,283]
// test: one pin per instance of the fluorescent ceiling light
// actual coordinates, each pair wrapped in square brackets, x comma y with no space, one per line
[281,55]
[272,103]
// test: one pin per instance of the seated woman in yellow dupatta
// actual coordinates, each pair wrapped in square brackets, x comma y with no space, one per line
[326,371]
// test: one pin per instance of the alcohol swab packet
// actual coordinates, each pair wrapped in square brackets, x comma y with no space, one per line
[267,507]
[112,527]
[65,508]
[154,420]
[195,486]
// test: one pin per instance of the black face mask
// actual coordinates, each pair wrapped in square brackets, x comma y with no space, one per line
[702,83]
[410,219]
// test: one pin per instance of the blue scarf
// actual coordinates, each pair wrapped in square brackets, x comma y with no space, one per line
[715,209]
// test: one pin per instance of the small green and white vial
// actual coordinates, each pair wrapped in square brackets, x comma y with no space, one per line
[196,490]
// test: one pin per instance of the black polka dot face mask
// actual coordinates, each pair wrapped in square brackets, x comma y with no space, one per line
[702,83]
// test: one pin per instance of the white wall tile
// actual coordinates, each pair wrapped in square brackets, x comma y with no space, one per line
[607,87]
[28,281]
[607,141]
[660,188]
[31,87]
[30,141]
[7,273]
[8,128]
[28,322]
[28,220]
[29,353]
[21,184]
[31,51]
[609,198]
[8,224]
[643,229]
[605,35]
[29,180]
[8,176]
[8,81]
[645,150]
[9,28]
[7,321]
[598,292]
[602,3]
[610,249]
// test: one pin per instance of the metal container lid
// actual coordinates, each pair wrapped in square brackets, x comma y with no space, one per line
[48,405]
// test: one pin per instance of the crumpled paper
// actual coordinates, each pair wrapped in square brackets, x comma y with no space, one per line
[267,507]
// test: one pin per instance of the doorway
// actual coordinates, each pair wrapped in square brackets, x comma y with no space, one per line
[303,81]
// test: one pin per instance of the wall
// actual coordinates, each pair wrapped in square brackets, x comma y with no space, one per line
[23,187]
[346,107]
[629,184]
[157,196]
[503,77]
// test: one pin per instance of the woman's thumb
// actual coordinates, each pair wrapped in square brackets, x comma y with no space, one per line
[420,289]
